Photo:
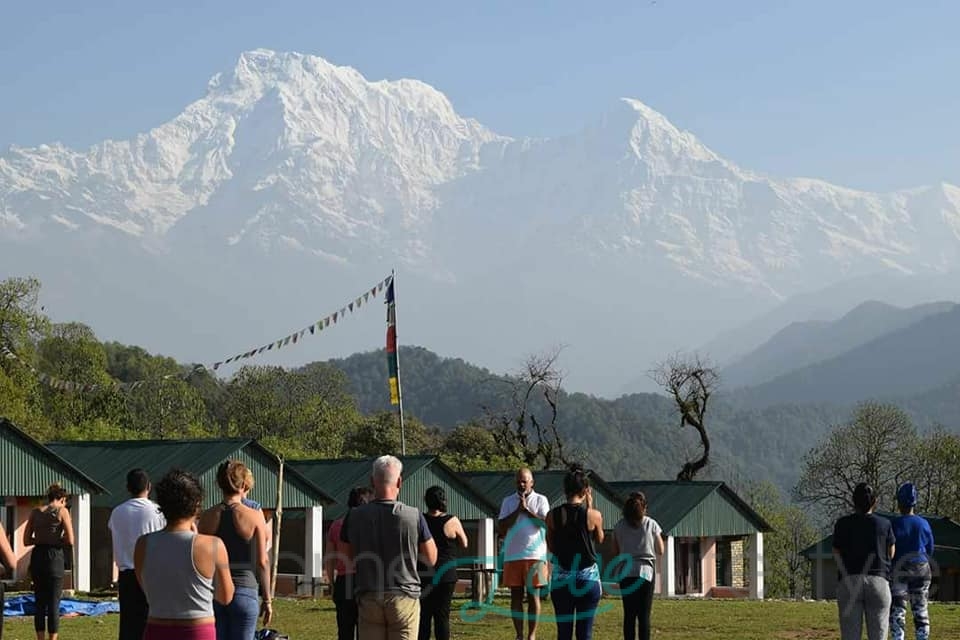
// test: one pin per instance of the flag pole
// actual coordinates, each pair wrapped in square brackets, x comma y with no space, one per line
[403,438]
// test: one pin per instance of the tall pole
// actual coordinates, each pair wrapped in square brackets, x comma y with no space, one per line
[278,522]
[403,437]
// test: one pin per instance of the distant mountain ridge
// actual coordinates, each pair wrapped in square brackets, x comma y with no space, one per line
[911,360]
[806,343]
[633,436]
[636,435]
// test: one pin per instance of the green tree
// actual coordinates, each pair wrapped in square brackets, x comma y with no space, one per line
[786,572]
[304,413]
[471,447]
[22,321]
[379,435]
[22,324]
[72,353]
[165,408]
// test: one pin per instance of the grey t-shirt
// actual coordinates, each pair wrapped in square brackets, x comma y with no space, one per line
[386,537]
[639,544]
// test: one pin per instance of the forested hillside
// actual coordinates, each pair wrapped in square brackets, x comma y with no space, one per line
[340,407]
[636,435]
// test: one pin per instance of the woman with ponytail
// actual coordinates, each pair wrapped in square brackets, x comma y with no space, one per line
[638,538]
[573,530]
[48,531]
[244,534]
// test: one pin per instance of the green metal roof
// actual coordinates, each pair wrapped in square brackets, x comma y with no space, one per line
[696,508]
[496,485]
[109,461]
[339,476]
[28,468]
[946,541]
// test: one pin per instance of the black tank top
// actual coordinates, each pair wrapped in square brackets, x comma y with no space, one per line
[572,544]
[239,551]
[446,552]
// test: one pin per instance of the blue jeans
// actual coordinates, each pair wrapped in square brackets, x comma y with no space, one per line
[575,604]
[238,620]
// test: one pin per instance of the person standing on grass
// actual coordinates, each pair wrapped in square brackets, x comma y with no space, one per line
[439,580]
[244,533]
[521,524]
[640,539]
[49,529]
[7,563]
[128,521]
[340,570]
[384,539]
[863,545]
[182,572]
[572,530]
[911,567]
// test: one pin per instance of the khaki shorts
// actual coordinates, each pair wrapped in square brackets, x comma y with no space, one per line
[526,573]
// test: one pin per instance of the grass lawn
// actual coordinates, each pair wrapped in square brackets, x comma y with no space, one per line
[673,620]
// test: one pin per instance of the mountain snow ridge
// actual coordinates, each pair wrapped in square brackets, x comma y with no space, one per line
[288,152]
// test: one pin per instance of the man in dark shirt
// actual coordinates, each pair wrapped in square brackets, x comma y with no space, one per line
[384,539]
[863,545]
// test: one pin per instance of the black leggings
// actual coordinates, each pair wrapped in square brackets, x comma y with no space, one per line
[637,604]
[435,610]
[46,569]
[346,607]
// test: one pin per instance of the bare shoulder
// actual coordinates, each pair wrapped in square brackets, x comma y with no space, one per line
[209,544]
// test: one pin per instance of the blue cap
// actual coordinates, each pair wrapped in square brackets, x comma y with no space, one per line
[907,495]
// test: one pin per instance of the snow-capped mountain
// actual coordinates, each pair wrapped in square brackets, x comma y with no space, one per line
[289,152]
[288,157]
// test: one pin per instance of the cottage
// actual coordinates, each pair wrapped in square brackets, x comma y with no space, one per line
[945,563]
[27,469]
[707,525]
[109,461]
[476,512]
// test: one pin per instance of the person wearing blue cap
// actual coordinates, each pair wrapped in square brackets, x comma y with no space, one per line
[911,567]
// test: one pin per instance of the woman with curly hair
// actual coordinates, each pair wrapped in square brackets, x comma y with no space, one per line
[49,529]
[244,533]
[182,572]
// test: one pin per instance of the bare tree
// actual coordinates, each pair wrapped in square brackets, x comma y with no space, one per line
[876,447]
[691,382]
[525,428]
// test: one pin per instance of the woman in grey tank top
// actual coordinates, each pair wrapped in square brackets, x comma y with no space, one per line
[181,572]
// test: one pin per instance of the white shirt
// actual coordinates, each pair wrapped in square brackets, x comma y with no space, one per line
[526,539]
[128,521]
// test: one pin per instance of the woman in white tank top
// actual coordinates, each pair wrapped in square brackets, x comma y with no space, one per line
[181,572]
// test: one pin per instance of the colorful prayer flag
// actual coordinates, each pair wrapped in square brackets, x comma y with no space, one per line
[393,364]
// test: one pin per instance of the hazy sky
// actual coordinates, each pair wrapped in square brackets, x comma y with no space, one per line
[862,93]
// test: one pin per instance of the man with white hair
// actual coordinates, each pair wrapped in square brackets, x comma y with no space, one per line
[384,538]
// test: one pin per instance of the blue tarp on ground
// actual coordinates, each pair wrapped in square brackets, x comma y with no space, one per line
[24,606]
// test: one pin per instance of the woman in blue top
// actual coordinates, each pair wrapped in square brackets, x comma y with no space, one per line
[911,567]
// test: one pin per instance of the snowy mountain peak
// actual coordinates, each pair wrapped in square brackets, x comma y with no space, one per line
[289,152]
